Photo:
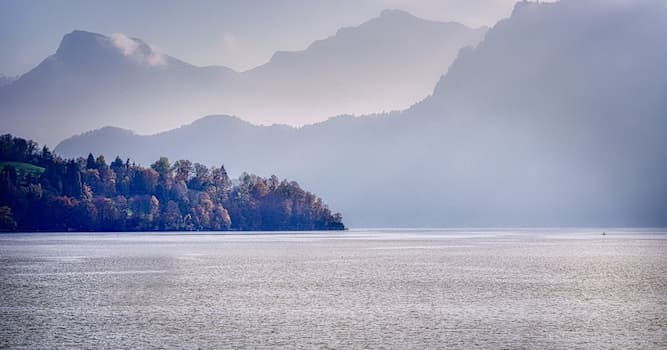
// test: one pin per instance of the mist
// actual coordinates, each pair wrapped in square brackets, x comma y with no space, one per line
[556,117]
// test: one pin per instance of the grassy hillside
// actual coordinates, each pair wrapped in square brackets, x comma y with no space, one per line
[23,169]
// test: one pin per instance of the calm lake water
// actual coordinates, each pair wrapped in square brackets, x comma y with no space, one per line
[359,289]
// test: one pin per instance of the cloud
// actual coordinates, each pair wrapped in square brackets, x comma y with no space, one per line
[155,58]
[131,47]
[125,44]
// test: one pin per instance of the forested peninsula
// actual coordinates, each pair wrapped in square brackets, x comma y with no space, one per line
[40,191]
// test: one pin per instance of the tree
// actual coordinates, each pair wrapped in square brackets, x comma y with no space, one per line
[117,164]
[183,170]
[7,222]
[100,162]
[220,219]
[144,181]
[84,217]
[108,215]
[86,194]
[72,186]
[172,219]
[163,167]
[201,179]
[90,162]
[47,156]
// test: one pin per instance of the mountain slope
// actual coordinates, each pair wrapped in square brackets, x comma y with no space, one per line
[385,64]
[5,80]
[557,118]
[93,80]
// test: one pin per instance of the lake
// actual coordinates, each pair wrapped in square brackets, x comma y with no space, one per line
[358,289]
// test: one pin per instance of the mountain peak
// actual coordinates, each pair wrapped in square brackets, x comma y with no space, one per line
[395,13]
[78,40]
[398,18]
[81,46]
[528,7]
[218,118]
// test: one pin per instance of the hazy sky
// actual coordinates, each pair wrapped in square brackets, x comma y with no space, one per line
[239,34]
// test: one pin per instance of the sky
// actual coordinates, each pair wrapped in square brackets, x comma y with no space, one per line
[239,34]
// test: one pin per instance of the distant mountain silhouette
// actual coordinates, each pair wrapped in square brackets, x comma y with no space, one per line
[385,64]
[92,80]
[5,80]
[557,118]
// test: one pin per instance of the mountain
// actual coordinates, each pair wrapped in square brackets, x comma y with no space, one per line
[385,64]
[562,108]
[557,118]
[94,80]
[5,80]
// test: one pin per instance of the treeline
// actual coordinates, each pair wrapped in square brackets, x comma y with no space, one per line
[40,191]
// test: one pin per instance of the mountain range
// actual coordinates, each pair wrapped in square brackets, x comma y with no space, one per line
[386,63]
[557,118]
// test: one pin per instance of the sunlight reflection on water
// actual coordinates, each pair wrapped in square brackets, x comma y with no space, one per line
[528,288]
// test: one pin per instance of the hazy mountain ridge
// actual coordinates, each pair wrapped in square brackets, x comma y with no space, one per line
[94,80]
[5,80]
[396,76]
[532,127]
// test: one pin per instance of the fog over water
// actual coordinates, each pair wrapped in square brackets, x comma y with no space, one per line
[359,289]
